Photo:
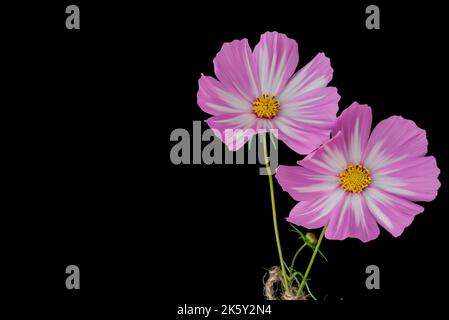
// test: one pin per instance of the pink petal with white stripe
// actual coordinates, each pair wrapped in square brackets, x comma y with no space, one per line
[391,212]
[304,121]
[235,68]
[276,58]
[314,75]
[234,129]
[214,98]
[355,124]
[392,140]
[298,137]
[316,213]
[415,179]
[353,220]
[329,159]
[304,184]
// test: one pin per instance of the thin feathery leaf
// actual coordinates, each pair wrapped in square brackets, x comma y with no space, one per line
[310,292]
[311,246]
[303,237]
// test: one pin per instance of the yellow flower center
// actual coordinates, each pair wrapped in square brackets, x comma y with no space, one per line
[355,178]
[266,106]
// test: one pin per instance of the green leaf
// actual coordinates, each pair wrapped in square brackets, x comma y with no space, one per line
[319,251]
[303,237]
[287,267]
[310,292]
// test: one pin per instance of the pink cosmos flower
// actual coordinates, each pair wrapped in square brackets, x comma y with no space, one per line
[358,180]
[258,91]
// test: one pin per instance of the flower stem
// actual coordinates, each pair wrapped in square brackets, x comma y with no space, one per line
[296,255]
[273,209]
[312,259]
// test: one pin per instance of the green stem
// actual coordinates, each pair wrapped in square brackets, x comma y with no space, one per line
[273,209]
[312,259]
[296,255]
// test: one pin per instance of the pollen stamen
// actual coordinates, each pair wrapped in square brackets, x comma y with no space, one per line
[355,178]
[266,106]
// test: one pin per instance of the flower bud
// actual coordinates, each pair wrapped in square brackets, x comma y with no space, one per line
[311,238]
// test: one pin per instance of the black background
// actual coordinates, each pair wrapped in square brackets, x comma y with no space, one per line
[93,182]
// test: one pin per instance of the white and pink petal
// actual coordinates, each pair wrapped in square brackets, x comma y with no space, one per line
[317,108]
[234,129]
[235,69]
[303,184]
[316,213]
[391,212]
[355,125]
[314,75]
[393,140]
[415,179]
[298,136]
[215,99]
[328,159]
[276,59]
[353,220]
